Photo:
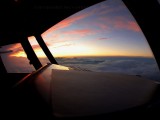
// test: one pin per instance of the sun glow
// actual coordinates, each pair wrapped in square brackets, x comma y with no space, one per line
[74,50]
[19,54]
[39,53]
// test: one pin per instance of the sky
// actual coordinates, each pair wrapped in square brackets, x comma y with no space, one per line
[105,29]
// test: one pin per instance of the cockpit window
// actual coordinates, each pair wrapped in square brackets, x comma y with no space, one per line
[102,38]
[15,59]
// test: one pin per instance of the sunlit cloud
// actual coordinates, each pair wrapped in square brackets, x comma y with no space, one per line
[102,26]
[133,26]
[119,23]
[82,32]
[67,22]
[128,25]
[15,47]
[76,17]
[104,38]
[18,54]
[17,50]
[62,45]
[63,40]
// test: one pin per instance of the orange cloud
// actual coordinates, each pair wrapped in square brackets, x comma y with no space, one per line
[103,38]
[18,54]
[65,23]
[133,26]
[70,20]
[63,45]
[17,50]
[128,25]
[81,32]
[15,47]
[102,26]
[118,23]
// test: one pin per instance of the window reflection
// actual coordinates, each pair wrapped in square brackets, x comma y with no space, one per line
[16,60]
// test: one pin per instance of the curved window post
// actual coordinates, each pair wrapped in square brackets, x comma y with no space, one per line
[30,53]
[45,49]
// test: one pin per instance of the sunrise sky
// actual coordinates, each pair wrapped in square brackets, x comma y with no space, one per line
[105,29]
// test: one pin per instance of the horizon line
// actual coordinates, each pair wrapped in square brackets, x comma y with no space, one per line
[91,56]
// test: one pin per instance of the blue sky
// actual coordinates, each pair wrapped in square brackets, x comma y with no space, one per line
[105,29]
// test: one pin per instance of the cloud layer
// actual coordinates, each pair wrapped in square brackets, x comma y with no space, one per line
[145,67]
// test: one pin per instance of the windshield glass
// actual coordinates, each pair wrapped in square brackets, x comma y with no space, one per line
[102,38]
